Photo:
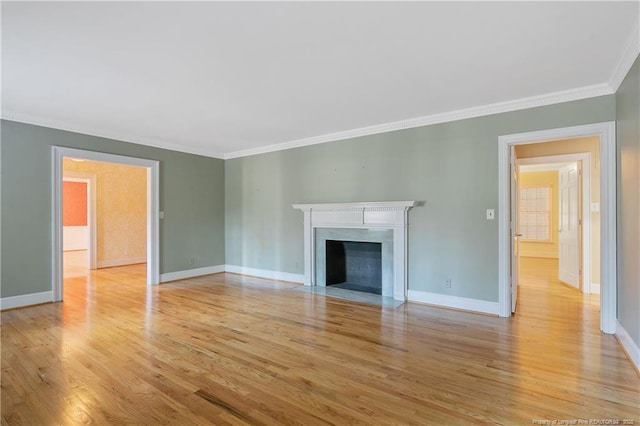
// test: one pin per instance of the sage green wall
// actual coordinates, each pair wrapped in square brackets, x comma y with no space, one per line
[191,195]
[451,167]
[628,135]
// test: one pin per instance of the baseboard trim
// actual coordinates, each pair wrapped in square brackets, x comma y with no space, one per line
[595,288]
[464,303]
[630,347]
[265,273]
[121,262]
[191,273]
[540,255]
[26,300]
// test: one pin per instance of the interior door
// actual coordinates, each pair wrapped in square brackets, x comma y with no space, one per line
[570,225]
[515,233]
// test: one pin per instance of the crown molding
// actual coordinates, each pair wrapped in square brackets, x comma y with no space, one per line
[101,133]
[474,112]
[629,55]
[490,109]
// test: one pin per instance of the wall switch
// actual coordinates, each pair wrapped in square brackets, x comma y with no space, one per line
[595,207]
[491,214]
[161,215]
[447,283]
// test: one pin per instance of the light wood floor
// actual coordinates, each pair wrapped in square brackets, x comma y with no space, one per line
[227,349]
[74,263]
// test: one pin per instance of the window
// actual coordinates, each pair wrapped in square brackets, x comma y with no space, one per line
[534,218]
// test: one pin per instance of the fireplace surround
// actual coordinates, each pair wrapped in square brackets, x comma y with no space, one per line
[384,222]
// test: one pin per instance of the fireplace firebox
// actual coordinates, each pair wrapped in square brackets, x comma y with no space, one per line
[354,265]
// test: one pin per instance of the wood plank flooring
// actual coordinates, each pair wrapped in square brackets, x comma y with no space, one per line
[228,349]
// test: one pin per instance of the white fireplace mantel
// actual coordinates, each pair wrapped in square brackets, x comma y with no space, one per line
[368,215]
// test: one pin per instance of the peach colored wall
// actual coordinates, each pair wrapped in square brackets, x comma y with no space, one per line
[540,179]
[572,146]
[74,204]
[121,198]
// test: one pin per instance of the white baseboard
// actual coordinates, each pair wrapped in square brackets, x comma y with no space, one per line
[262,273]
[265,273]
[191,273]
[595,288]
[628,344]
[26,300]
[457,302]
[121,262]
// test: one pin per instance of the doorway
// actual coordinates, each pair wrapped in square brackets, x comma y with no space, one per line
[79,219]
[605,132]
[152,210]
[564,223]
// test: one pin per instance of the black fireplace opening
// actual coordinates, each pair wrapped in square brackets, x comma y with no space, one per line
[354,265]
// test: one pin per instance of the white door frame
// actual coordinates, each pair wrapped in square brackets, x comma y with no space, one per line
[153,208]
[607,134]
[585,157]
[92,223]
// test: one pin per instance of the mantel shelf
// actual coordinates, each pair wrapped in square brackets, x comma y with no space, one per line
[387,205]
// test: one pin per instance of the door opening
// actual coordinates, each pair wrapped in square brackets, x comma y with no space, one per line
[152,209]
[79,220]
[605,132]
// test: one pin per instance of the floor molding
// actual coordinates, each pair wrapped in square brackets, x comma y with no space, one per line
[445,300]
[26,300]
[121,262]
[191,273]
[265,273]
[629,346]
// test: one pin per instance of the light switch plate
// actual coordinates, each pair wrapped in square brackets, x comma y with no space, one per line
[491,214]
[161,215]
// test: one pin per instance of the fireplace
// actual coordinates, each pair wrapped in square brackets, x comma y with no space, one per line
[368,233]
[354,265]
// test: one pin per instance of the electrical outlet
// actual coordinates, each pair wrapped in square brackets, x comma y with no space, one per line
[192,261]
[447,283]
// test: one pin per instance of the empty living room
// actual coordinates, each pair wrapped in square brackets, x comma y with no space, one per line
[381,213]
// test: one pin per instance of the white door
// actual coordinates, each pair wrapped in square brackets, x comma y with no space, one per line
[515,233]
[570,225]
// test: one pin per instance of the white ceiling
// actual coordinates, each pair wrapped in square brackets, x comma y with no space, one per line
[227,79]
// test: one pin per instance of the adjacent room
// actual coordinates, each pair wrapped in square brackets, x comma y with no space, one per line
[104,215]
[320,213]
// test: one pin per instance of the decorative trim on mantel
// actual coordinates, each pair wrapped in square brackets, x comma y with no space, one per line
[391,215]
[368,205]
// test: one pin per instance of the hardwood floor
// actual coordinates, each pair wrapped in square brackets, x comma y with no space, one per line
[227,349]
[74,263]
